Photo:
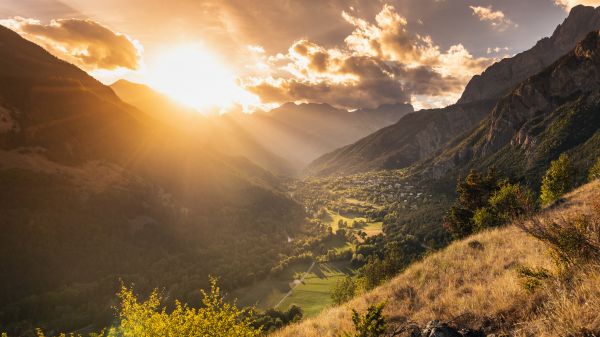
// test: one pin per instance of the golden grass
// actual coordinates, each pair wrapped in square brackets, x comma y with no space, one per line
[478,287]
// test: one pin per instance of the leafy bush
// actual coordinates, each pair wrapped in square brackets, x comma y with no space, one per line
[473,194]
[595,171]
[572,242]
[531,278]
[372,324]
[485,202]
[558,180]
[344,290]
[216,318]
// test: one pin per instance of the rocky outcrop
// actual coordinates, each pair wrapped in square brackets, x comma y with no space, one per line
[501,77]
[552,111]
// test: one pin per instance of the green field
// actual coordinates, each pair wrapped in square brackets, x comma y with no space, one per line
[372,228]
[312,295]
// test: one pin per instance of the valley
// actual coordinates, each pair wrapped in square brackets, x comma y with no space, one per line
[361,179]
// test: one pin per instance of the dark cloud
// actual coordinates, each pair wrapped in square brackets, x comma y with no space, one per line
[82,41]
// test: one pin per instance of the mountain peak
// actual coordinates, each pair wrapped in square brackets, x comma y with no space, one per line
[500,78]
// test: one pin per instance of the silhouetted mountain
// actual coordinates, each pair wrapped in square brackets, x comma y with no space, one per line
[282,140]
[302,132]
[215,132]
[95,190]
[416,138]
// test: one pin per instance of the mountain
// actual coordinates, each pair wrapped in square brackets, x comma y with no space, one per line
[302,132]
[554,111]
[416,138]
[282,140]
[157,105]
[95,191]
[500,78]
[215,132]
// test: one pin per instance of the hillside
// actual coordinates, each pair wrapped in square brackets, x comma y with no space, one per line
[416,138]
[474,284]
[95,190]
[552,112]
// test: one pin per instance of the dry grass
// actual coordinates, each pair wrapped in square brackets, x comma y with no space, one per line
[479,287]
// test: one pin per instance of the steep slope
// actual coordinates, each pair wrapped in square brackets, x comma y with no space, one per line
[474,284]
[415,136]
[402,145]
[94,190]
[500,78]
[554,111]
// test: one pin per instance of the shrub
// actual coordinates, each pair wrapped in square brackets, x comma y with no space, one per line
[557,181]
[572,242]
[485,218]
[512,201]
[531,278]
[216,318]
[473,194]
[372,324]
[595,171]
[343,291]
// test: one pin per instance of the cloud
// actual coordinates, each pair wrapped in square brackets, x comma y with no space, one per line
[84,42]
[568,4]
[379,63]
[497,18]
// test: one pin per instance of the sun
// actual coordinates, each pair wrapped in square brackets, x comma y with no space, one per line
[192,75]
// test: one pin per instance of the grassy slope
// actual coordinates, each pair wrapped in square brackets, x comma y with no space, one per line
[479,286]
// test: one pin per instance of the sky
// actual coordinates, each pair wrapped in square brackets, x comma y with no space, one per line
[248,54]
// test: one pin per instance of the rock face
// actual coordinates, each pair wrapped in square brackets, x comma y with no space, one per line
[501,77]
[551,112]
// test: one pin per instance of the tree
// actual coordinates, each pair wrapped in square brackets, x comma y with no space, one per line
[473,194]
[595,171]
[558,179]
[343,291]
[372,324]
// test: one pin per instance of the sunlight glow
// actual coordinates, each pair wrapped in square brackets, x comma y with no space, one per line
[193,76]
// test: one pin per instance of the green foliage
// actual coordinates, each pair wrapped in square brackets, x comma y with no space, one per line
[572,242]
[344,290]
[595,171]
[558,180]
[485,218]
[471,212]
[273,319]
[372,324]
[149,318]
[473,194]
[531,279]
